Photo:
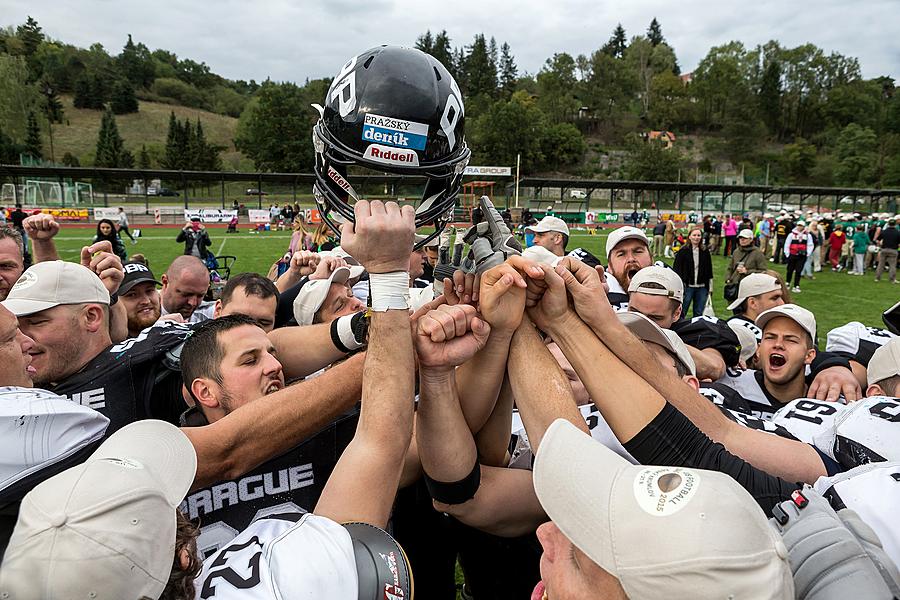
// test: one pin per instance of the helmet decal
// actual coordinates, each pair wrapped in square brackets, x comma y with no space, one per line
[452,112]
[394,132]
[344,88]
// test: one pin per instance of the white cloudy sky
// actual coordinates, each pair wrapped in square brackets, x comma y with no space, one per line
[295,40]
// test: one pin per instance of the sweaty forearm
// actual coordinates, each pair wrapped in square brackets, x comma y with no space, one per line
[493,439]
[272,425]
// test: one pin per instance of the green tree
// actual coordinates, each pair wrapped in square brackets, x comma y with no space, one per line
[556,86]
[136,63]
[646,61]
[481,72]
[70,160]
[443,53]
[508,72]
[743,131]
[654,33]
[425,42]
[562,145]
[855,151]
[798,160]
[275,126]
[510,127]
[9,149]
[110,146]
[123,100]
[770,96]
[609,86]
[671,102]
[53,107]
[855,102]
[17,96]
[172,158]
[31,36]
[144,158]
[722,81]
[651,161]
[617,43]
[33,137]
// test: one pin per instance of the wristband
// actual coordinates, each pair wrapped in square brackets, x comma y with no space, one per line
[455,492]
[389,291]
[113,298]
[348,333]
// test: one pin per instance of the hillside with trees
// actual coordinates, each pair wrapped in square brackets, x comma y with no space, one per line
[764,114]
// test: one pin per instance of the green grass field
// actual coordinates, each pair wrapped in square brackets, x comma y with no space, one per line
[835,298]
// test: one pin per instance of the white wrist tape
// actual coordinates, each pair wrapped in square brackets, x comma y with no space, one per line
[389,291]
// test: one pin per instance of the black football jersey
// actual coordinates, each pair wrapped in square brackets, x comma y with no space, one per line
[709,332]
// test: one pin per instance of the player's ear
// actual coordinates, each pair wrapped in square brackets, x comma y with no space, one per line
[217,311]
[810,355]
[204,390]
[875,390]
[677,314]
[92,316]
[692,381]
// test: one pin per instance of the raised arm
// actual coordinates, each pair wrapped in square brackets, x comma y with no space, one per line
[41,229]
[364,482]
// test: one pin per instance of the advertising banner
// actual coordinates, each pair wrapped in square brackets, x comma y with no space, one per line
[489,171]
[210,215]
[67,214]
[106,213]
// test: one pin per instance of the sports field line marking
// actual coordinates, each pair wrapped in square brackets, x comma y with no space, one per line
[222,245]
[160,237]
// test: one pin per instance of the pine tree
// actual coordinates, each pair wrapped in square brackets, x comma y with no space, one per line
[33,137]
[9,150]
[183,144]
[770,96]
[481,76]
[654,33]
[31,35]
[82,92]
[442,52]
[53,107]
[126,160]
[170,158]
[509,74]
[617,43]
[110,146]
[123,100]
[70,160]
[425,42]
[144,158]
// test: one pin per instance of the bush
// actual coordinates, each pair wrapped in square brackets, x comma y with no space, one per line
[184,93]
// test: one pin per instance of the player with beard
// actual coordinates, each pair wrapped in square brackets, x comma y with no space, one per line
[139,297]
[627,252]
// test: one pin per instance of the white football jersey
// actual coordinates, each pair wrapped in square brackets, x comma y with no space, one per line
[805,418]
[521,456]
[873,491]
[743,391]
[857,341]
[280,557]
[866,431]
[39,429]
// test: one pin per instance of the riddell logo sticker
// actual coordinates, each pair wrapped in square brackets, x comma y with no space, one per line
[391,156]
[392,592]
[663,491]
[395,132]
[342,182]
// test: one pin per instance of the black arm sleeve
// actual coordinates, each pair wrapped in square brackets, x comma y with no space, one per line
[670,439]
[825,360]
[284,310]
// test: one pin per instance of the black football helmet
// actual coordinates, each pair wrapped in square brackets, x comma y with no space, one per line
[396,110]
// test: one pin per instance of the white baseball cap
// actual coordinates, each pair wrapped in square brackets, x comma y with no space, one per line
[312,295]
[106,527]
[745,233]
[885,362]
[648,331]
[798,314]
[671,283]
[745,337]
[541,255]
[356,269]
[662,531]
[52,283]
[621,234]
[550,223]
[754,284]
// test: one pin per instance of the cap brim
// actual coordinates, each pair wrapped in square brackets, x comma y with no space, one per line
[22,307]
[737,302]
[310,299]
[774,313]
[644,328]
[161,448]
[574,478]
[125,287]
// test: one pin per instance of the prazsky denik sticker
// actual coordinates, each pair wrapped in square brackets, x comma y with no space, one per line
[394,132]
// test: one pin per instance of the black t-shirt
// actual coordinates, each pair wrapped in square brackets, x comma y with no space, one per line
[139,378]
[17,216]
[890,238]
[289,483]
[709,332]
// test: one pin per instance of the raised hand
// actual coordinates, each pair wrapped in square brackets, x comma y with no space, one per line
[304,263]
[586,287]
[327,265]
[108,267]
[381,237]
[501,300]
[41,227]
[449,336]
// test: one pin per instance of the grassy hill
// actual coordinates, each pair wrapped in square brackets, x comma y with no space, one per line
[148,126]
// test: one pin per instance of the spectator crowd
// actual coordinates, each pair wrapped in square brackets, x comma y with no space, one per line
[395,397]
